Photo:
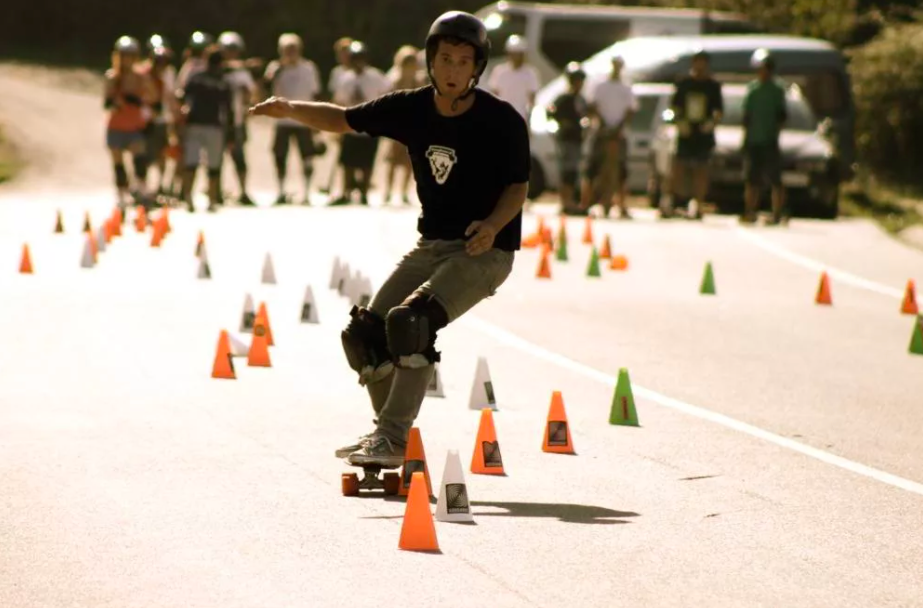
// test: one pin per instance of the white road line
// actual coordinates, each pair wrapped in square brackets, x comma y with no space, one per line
[539,352]
[812,264]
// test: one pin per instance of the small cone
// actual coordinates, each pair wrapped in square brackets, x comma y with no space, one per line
[562,227]
[823,291]
[200,244]
[204,270]
[453,504]
[540,227]
[117,222]
[86,222]
[708,281]
[593,267]
[157,234]
[414,461]
[335,273]
[588,231]
[561,252]
[239,348]
[482,391]
[88,260]
[269,273]
[546,239]
[93,248]
[531,241]
[308,307]
[557,431]
[418,531]
[909,305]
[258,356]
[248,316]
[140,219]
[165,218]
[107,230]
[101,239]
[623,412]
[916,339]
[435,388]
[162,225]
[486,459]
[25,264]
[619,262]
[59,223]
[544,266]
[263,314]
[605,252]
[224,365]
[343,279]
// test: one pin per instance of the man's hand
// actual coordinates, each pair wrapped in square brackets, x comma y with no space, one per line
[274,107]
[483,239]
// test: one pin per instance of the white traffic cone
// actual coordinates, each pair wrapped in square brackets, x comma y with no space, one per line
[308,307]
[239,348]
[482,390]
[453,504]
[343,279]
[249,315]
[435,388]
[335,273]
[87,260]
[269,273]
[205,271]
[101,239]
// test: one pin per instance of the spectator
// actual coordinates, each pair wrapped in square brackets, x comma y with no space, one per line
[160,135]
[243,95]
[569,110]
[341,50]
[516,81]
[404,74]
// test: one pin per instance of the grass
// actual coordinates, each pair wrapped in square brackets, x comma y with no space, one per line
[9,161]
[894,208]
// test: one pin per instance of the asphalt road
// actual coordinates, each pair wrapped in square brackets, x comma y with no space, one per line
[778,460]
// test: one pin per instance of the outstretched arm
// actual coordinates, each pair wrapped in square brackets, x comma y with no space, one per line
[317,115]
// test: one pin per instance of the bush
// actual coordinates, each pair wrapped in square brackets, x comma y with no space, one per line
[887,76]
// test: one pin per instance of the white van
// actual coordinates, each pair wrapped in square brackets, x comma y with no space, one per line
[560,33]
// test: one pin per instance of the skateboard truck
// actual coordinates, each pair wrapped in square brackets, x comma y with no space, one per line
[389,482]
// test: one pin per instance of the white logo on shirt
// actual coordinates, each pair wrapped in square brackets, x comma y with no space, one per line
[441,161]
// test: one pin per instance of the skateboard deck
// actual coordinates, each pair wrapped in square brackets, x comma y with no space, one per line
[390,483]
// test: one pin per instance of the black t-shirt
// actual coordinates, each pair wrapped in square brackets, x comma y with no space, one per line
[695,102]
[209,97]
[462,164]
[568,109]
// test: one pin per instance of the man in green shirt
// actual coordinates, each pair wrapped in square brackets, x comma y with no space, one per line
[764,115]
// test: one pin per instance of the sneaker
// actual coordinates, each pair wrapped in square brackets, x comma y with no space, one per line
[378,449]
[346,450]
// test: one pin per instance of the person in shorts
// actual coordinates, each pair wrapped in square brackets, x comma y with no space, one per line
[697,107]
[471,161]
[243,92]
[159,132]
[569,110]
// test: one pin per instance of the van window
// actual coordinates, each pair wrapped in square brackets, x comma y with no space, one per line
[566,39]
[647,107]
[502,25]
[729,26]
[826,91]
[800,117]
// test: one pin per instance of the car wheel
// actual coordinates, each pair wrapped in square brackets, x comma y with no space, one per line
[536,181]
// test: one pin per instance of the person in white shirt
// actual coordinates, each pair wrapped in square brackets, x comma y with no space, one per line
[293,77]
[160,130]
[243,95]
[611,104]
[515,81]
[357,150]
[341,51]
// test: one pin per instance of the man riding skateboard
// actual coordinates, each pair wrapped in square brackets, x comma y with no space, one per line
[471,160]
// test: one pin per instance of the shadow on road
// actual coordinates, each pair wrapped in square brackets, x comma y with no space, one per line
[568,513]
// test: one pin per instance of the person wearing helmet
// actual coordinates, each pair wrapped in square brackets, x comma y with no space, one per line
[194,57]
[293,77]
[357,150]
[697,106]
[471,162]
[244,94]
[128,98]
[160,134]
[515,80]
[612,104]
[764,115]
[569,111]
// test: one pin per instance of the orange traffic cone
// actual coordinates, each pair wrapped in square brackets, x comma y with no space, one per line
[107,231]
[588,231]
[823,291]
[557,432]
[25,264]
[165,218]
[605,252]
[544,266]
[909,306]
[619,262]
[418,531]
[199,244]
[59,223]
[546,237]
[486,459]
[116,222]
[259,346]
[264,314]
[414,461]
[156,234]
[141,219]
[224,364]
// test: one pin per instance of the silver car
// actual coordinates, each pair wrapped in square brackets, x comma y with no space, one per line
[809,165]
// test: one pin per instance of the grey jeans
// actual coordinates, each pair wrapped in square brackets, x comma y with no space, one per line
[458,281]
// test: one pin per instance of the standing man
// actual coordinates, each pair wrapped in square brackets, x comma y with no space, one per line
[243,94]
[697,106]
[569,110]
[516,81]
[296,78]
[764,115]
[470,154]
[612,104]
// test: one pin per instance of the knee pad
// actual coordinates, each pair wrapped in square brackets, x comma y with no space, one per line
[366,345]
[141,163]
[121,176]
[214,173]
[411,331]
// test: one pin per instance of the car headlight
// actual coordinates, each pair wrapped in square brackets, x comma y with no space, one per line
[540,123]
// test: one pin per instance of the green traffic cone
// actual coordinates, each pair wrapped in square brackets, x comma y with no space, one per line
[593,269]
[708,281]
[623,410]
[916,340]
[561,253]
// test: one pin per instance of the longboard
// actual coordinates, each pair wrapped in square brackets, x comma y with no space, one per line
[389,482]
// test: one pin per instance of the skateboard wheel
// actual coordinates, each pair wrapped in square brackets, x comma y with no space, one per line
[392,483]
[350,482]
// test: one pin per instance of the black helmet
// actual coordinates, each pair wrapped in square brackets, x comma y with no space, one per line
[466,27]
[763,58]
[199,41]
[574,71]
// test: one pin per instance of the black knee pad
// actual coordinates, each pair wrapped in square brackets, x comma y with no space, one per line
[121,176]
[366,345]
[240,162]
[141,163]
[411,330]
